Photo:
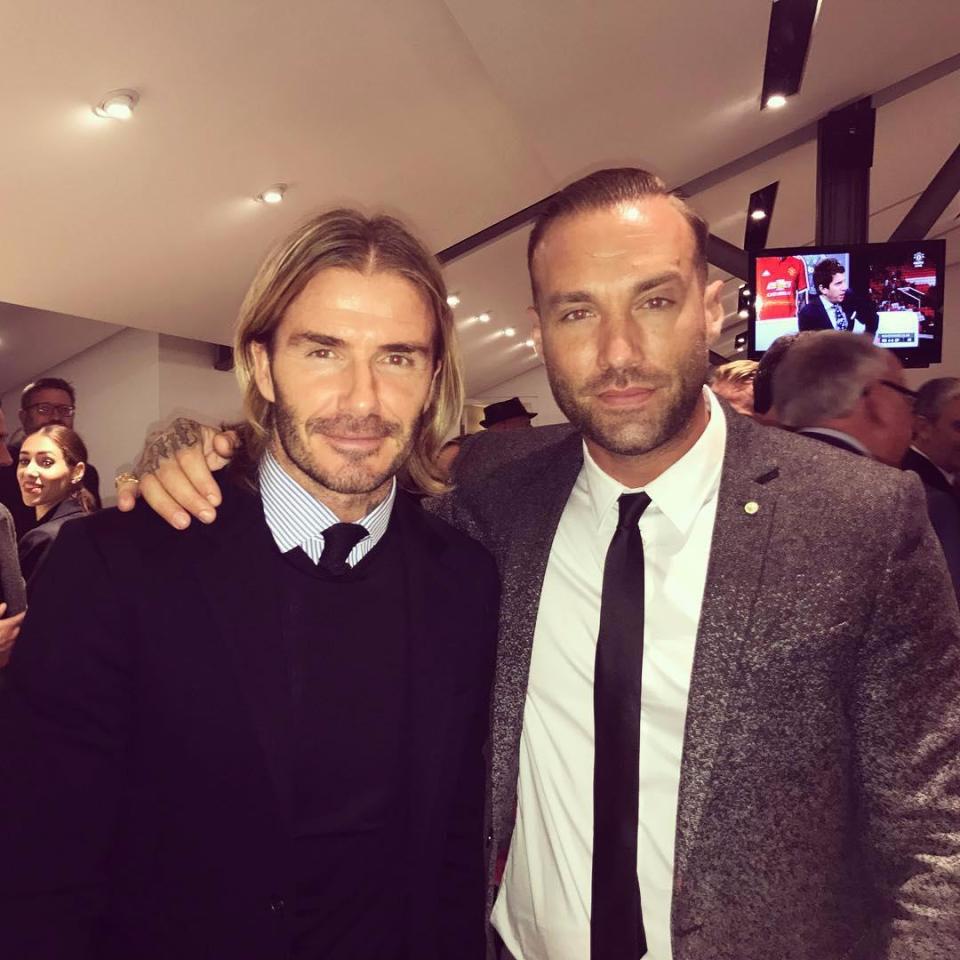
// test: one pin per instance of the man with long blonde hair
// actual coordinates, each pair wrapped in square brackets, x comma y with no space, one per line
[299,771]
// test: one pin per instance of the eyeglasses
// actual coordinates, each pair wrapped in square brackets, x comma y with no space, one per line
[911,395]
[45,409]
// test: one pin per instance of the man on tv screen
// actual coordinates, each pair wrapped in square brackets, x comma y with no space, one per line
[835,306]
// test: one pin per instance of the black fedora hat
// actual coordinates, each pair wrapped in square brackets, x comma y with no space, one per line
[504,410]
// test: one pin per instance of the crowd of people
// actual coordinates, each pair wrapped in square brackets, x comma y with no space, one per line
[678,679]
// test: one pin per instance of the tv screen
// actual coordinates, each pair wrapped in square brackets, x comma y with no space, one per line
[892,292]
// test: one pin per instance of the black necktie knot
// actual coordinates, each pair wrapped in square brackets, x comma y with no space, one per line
[338,541]
[632,506]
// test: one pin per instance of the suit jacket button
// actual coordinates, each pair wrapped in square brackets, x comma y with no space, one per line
[277,906]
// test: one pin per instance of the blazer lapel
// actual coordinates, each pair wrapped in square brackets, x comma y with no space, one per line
[237,573]
[745,511]
[533,521]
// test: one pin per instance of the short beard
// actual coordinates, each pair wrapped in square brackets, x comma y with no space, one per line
[631,433]
[355,477]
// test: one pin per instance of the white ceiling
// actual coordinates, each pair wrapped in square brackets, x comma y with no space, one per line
[452,114]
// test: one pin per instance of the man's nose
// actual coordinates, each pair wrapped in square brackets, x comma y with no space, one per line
[359,389]
[621,341]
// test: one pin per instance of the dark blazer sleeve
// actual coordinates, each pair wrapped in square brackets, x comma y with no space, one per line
[65,709]
[813,316]
[12,590]
[463,871]
[906,717]
[32,548]
[945,519]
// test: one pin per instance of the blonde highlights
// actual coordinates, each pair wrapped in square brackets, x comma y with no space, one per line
[350,240]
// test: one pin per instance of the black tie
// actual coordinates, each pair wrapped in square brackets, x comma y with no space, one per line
[616,918]
[338,541]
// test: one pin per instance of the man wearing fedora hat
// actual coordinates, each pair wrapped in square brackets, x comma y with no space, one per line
[506,415]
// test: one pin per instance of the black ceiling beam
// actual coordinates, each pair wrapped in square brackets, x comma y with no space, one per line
[494,231]
[727,257]
[929,206]
[756,230]
[788,43]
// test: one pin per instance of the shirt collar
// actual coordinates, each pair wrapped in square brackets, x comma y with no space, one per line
[839,435]
[683,488]
[829,305]
[295,517]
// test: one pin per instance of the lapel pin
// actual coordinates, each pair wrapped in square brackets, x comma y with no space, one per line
[751,507]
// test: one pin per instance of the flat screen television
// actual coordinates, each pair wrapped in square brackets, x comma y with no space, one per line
[890,291]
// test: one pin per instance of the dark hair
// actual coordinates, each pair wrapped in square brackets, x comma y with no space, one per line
[74,451]
[608,188]
[934,395]
[47,383]
[763,379]
[825,271]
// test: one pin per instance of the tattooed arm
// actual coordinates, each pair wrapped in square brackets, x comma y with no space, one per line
[176,472]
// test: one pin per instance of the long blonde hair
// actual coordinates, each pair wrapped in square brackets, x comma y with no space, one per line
[349,239]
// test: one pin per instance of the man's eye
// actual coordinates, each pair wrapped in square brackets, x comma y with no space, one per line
[572,316]
[398,360]
[321,353]
[657,303]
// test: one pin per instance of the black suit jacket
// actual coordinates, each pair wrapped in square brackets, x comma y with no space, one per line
[33,545]
[927,471]
[145,744]
[814,317]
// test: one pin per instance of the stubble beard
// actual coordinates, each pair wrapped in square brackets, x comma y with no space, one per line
[355,475]
[634,432]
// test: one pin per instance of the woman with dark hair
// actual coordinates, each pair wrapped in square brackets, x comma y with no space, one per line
[49,470]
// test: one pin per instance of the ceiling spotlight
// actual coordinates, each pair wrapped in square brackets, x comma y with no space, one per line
[272,194]
[745,291]
[483,317]
[529,343]
[744,314]
[453,300]
[509,332]
[776,100]
[758,215]
[117,105]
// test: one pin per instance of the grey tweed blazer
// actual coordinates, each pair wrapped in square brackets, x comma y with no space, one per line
[12,590]
[819,808]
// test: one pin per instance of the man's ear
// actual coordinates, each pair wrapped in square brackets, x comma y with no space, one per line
[262,373]
[713,310]
[23,419]
[922,428]
[535,331]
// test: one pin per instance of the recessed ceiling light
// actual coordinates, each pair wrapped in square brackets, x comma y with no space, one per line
[483,317]
[529,343]
[758,215]
[453,300]
[746,291]
[744,314]
[272,194]
[509,332]
[776,100]
[117,105]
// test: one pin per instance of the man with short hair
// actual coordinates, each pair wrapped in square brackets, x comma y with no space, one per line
[935,452]
[45,401]
[705,745]
[836,307]
[848,393]
[265,739]
[733,382]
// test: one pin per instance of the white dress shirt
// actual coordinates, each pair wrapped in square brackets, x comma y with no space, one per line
[542,911]
[296,518]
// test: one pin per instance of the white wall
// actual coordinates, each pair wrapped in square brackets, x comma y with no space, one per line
[191,387]
[533,389]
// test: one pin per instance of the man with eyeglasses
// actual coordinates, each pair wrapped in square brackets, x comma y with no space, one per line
[45,401]
[849,393]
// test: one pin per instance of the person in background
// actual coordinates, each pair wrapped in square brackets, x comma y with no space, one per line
[12,595]
[935,452]
[733,382]
[50,466]
[506,415]
[836,307]
[447,457]
[846,392]
[49,400]
[763,379]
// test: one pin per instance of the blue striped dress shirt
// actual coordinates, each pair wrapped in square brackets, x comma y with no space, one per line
[297,519]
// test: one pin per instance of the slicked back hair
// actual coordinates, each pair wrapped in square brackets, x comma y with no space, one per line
[934,395]
[823,376]
[350,240]
[611,188]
